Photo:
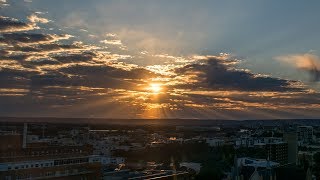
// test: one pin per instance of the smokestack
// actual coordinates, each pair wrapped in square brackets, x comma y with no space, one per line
[25,131]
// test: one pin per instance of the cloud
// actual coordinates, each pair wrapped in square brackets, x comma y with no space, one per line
[308,62]
[18,57]
[91,76]
[45,61]
[108,71]
[86,56]
[36,54]
[55,79]
[45,72]
[111,35]
[216,74]
[3,3]
[112,42]
[13,25]
[31,38]
[13,75]
[75,19]
[48,47]
[36,19]
[41,60]
[3,52]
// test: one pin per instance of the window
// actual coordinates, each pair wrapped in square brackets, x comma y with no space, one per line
[48,174]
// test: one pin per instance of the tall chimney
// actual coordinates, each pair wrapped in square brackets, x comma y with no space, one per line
[25,131]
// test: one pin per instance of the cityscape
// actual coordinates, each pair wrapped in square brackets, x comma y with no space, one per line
[159,90]
[173,149]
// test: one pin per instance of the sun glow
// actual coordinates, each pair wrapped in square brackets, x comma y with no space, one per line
[155,87]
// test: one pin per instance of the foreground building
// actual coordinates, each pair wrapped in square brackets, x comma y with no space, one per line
[249,168]
[278,152]
[20,160]
[260,169]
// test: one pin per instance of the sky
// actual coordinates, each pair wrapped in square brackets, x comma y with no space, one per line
[153,59]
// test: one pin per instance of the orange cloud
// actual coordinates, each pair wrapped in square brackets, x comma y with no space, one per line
[308,62]
[36,19]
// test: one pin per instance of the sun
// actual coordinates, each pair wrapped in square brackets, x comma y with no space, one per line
[155,87]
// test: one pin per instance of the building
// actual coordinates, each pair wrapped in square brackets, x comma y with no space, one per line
[213,142]
[292,140]
[107,160]
[22,160]
[249,168]
[254,141]
[278,152]
[305,133]
[259,169]
[306,158]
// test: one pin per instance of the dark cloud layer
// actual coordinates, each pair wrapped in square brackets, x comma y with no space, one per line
[108,71]
[86,56]
[94,76]
[12,78]
[16,38]
[216,75]
[12,25]
[45,47]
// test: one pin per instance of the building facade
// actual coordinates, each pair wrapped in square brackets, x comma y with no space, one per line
[20,160]
[305,133]
[278,152]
